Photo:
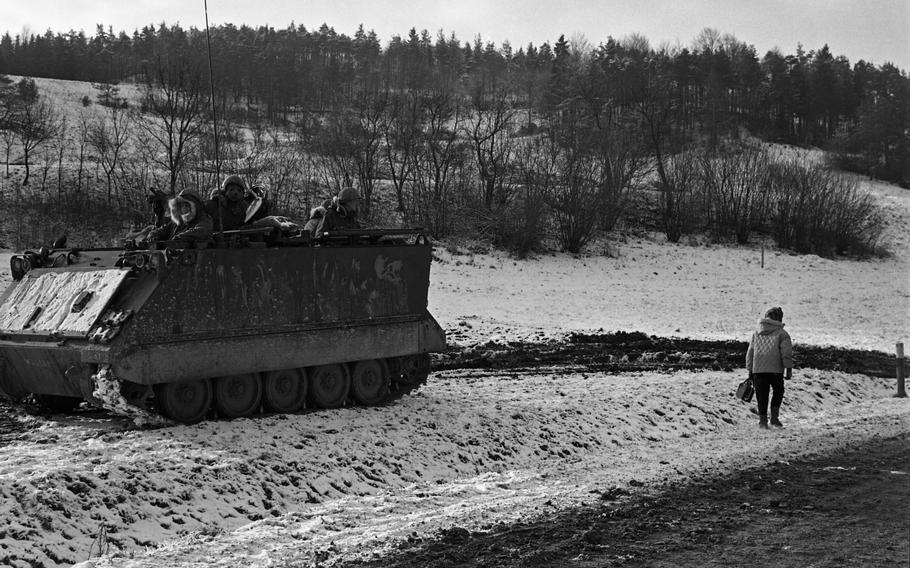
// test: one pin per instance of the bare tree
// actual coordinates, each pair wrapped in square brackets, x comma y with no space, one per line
[734,180]
[283,175]
[174,116]
[47,161]
[537,165]
[657,110]
[82,143]
[63,146]
[367,141]
[439,156]
[574,198]
[334,149]
[400,141]
[489,128]
[34,121]
[622,161]
[7,125]
[8,135]
[679,199]
[108,136]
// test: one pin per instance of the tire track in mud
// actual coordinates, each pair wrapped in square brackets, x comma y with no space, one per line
[623,352]
[12,425]
[706,521]
[619,352]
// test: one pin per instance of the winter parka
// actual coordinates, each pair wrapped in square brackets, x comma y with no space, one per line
[337,217]
[770,349]
[198,230]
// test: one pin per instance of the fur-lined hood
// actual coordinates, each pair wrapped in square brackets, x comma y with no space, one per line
[193,195]
[188,196]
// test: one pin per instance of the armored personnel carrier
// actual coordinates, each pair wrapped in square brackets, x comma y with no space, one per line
[260,322]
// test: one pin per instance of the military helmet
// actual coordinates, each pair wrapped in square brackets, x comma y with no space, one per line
[347,194]
[233,180]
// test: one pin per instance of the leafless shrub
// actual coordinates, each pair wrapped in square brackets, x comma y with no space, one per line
[621,163]
[679,194]
[521,226]
[440,171]
[735,182]
[822,211]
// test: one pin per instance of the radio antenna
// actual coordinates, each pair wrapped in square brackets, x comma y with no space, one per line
[208,43]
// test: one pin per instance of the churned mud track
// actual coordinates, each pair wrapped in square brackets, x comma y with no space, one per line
[847,508]
[12,426]
[635,351]
[618,352]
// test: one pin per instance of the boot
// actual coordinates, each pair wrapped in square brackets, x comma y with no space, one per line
[763,421]
[775,411]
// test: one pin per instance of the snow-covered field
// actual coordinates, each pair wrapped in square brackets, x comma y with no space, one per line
[700,291]
[474,448]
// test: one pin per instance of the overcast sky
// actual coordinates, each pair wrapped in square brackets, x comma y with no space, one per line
[874,30]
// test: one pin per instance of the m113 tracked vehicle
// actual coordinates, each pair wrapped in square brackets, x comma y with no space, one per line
[259,322]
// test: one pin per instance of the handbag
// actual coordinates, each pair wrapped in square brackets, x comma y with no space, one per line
[745,390]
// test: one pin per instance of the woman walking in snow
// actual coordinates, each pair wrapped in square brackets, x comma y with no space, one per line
[768,359]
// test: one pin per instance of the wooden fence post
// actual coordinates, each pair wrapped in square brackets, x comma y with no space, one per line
[901,389]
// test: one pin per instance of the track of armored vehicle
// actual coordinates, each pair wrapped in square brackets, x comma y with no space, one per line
[260,322]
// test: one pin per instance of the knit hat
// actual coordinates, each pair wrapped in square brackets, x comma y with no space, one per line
[777,314]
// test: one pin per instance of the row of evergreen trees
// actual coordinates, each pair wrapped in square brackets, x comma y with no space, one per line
[717,86]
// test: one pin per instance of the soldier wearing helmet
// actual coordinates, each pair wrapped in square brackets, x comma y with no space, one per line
[231,205]
[342,214]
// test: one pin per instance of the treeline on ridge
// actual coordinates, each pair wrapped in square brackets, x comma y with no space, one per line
[473,138]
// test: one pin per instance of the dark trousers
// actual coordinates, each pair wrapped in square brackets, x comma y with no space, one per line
[764,383]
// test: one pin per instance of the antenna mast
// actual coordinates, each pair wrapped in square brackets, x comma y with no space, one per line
[208,43]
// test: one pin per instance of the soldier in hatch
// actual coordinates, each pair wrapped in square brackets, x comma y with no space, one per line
[189,221]
[342,214]
[233,206]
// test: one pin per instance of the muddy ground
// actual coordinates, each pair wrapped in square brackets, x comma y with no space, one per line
[635,351]
[847,509]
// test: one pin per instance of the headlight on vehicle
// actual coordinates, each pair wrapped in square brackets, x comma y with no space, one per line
[19,265]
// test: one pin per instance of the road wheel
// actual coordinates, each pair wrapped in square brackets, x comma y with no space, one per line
[186,402]
[329,385]
[58,404]
[370,383]
[238,395]
[284,390]
[415,369]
